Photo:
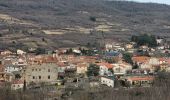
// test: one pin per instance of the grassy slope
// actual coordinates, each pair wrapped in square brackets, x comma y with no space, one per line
[56,14]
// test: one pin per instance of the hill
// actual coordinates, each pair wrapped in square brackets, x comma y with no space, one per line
[62,23]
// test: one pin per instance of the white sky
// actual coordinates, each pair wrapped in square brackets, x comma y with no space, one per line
[154,1]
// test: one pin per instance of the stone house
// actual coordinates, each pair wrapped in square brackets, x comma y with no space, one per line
[82,68]
[43,72]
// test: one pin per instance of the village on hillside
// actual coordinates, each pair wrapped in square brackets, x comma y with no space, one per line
[112,64]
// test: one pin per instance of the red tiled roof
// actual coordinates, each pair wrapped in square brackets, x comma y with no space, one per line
[142,59]
[105,64]
[140,78]
[17,82]
[44,59]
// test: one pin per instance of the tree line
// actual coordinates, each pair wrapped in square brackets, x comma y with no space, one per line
[144,39]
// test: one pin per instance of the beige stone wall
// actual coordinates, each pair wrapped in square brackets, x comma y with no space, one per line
[46,72]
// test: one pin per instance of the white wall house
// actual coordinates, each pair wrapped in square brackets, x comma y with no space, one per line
[82,68]
[77,51]
[109,81]
[145,66]
[160,47]
[154,61]
[17,84]
[159,41]
[121,68]
[20,52]
[150,64]
[10,69]
[108,46]
[104,69]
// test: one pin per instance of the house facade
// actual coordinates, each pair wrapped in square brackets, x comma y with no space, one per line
[140,80]
[108,81]
[38,73]
[105,69]
[121,68]
[17,84]
[82,68]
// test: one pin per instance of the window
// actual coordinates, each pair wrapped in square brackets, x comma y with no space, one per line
[32,69]
[36,69]
[39,69]
[18,85]
[39,77]
[33,77]
[48,70]
[48,76]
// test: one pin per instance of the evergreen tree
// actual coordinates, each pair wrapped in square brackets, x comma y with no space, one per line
[128,58]
[93,70]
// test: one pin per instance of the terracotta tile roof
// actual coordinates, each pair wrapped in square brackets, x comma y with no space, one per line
[141,78]
[77,59]
[17,82]
[142,59]
[43,59]
[105,64]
